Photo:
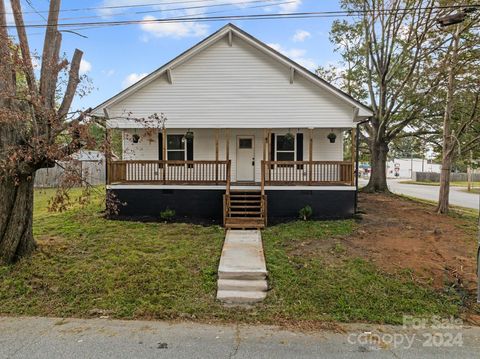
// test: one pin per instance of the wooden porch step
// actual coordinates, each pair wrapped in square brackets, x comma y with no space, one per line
[244,222]
[243,219]
[244,206]
[245,210]
[233,213]
[245,196]
[244,226]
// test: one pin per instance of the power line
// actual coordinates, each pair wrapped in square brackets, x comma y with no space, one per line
[116,6]
[298,15]
[184,16]
[267,4]
[155,4]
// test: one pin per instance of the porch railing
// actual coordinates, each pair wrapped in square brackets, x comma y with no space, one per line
[169,172]
[308,173]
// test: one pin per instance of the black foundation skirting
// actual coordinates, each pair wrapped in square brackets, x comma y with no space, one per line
[205,205]
[326,204]
[195,204]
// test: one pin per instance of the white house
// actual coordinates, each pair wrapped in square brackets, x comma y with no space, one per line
[232,130]
[405,167]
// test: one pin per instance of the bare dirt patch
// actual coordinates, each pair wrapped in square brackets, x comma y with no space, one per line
[399,234]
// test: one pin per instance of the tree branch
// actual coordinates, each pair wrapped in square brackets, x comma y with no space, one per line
[73,81]
[24,47]
[49,62]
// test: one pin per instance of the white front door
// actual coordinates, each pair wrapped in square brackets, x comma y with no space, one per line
[246,158]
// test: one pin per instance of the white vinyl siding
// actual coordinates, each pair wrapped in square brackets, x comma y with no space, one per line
[204,145]
[235,87]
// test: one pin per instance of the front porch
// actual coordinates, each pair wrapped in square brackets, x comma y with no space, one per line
[186,168]
[273,173]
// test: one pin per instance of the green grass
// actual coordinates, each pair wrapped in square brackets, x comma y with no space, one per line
[86,265]
[469,214]
[326,284]
[431,183]
[473,190]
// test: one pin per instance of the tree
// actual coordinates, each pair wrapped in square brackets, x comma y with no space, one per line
[36,129]
[461,115]
[393,46]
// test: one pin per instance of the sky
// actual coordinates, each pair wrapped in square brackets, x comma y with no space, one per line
[115,57]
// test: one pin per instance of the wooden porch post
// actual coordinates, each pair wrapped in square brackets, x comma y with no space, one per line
[353,149]
[228,169]
[227,144]
[164,153]
[216,155]
[269,151]
[264,158]
[108,148]
[310,156]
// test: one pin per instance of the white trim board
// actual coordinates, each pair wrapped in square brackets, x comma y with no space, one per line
[202,187]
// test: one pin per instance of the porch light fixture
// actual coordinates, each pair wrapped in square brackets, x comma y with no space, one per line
[135,138]
[332,137]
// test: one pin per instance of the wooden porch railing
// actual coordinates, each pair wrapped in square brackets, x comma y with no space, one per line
[307,173]
[169,172]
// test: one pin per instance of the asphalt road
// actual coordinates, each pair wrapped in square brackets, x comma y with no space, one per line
[103,338]
[458,196]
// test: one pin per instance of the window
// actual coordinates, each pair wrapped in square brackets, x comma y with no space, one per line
[175,148]
[245,143]
[285,148]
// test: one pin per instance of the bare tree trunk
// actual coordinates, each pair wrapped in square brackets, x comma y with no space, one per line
[378,162]
[444,194]
[16,217]
[448,140]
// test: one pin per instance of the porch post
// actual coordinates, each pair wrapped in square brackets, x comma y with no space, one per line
[228,168]
[262,169]
[164,153]
[310,155]
[108,148]
[353,149]
[269,151]
[227,144]
[216,155]
[107,155]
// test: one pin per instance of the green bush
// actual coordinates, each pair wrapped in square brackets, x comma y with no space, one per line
[305,213]
[167,214]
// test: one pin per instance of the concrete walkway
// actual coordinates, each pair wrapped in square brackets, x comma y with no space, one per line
[55,338]
[242,272]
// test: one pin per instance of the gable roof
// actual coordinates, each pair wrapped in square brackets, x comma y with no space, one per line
[363,111]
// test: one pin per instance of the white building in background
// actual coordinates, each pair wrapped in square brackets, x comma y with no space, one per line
[403,167]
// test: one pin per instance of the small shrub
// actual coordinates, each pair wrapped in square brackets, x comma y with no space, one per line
[168,214]
[305,213]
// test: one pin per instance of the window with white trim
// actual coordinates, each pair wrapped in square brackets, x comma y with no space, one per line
[284,148]
[176,149]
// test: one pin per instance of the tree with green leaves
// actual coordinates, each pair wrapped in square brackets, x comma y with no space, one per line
[390,58]
[461,115]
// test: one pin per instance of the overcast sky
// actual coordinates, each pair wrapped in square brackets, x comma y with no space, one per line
[115,57]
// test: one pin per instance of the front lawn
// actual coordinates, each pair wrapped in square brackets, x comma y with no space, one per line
[88,266]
